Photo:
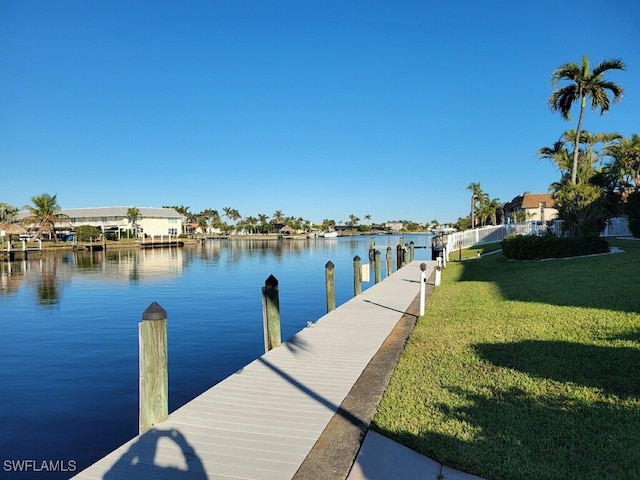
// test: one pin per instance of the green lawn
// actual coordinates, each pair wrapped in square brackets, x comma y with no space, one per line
[525,370]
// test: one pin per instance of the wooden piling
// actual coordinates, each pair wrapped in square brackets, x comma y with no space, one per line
[399,257]
[378,267]
[357,281]
[154,378]
[389,266]
[271,314]
[330,284]
[411,251]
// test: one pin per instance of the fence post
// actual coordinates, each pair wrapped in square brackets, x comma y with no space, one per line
[357,281]
[271,314]
[154,378]
[331,287]
[438,270]
[378,267]
[388,261]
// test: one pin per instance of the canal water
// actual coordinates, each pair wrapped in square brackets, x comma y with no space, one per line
[69,338]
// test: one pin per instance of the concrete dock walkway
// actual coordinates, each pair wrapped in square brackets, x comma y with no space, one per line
[284,415]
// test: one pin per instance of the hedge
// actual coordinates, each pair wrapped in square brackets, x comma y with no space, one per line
[531,247]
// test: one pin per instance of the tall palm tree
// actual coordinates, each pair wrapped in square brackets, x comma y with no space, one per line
[584,84]
[133,215]
[476,197]
[227,212]
[45,213]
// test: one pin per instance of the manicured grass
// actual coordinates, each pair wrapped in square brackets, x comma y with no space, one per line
[525,370]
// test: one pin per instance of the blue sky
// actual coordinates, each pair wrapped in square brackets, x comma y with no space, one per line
[321,109]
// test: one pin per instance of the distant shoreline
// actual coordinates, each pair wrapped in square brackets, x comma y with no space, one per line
[130,243]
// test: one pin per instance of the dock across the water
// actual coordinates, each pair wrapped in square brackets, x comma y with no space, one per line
[264,421]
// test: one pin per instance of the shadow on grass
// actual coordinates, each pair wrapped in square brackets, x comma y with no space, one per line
[613,370]
[579,440]
[604,282]
[553,430]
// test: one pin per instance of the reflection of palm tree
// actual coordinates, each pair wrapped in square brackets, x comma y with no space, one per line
[45,213]
[47,285]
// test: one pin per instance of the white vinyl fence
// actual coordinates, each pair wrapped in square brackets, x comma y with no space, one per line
[477,236]
[618,227]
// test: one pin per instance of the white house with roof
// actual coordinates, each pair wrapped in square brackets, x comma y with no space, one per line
[152,221]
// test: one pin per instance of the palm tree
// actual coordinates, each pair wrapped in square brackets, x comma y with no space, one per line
[133,215]
[45,213]
[585,84]
[494,207]
[625,154]
[227,212]
[203,223]
[8,213]
[476,196]
[251,222]
[262,218]
[277,217]
[559,156]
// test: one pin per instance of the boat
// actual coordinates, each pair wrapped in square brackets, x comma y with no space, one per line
[330,234]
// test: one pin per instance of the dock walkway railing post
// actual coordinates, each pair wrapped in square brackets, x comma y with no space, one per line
[271,313]
[357,276]
[154,378]
[329,273]
[377,266]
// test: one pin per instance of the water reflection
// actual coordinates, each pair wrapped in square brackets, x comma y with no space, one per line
[47,273]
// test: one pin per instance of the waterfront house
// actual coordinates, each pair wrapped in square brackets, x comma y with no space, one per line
[152,222]
[535,207]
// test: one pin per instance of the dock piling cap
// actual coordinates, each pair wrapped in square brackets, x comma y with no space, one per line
[423,266]
[154,312]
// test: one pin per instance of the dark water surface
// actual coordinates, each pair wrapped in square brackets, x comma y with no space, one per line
[69,333]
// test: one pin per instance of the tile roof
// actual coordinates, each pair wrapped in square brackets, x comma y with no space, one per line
[533,200]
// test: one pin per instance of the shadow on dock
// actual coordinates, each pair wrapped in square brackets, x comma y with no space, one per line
[140,459]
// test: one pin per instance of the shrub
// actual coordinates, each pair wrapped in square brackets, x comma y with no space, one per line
[531,247]
[86,232]
[633,212]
